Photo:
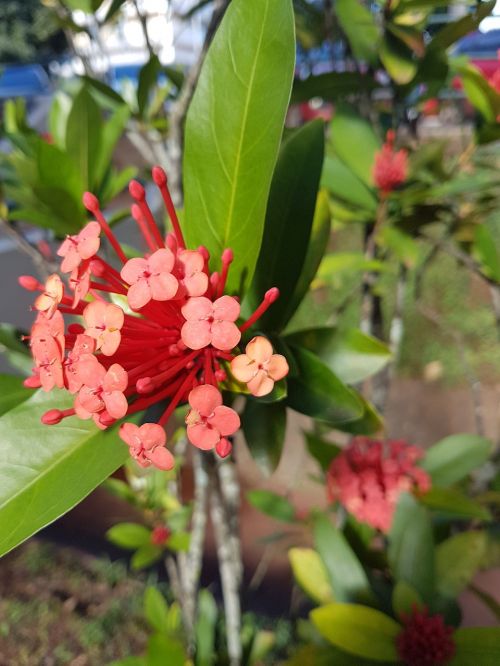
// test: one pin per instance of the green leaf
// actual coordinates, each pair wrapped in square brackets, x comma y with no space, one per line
[481,95]
[289,219]
[205,629]
[49,468]
[340,262]
[454,502]
[148,77]
[405,598]
[454,457]
[369,423]
[454,30]
[354,142]
[457,561]
[359,630]
[398,59]
[111,132]
[347,577]
[317,392]
[476,646]
[129,535]
[344,184]
[272,505]
[163,650]
[351,355]
[360,27]
[264,429]
[83,135]
[179,542]
[411,546]
[486,249]
[145,556]
[114,8]
[310,573]
[155,609]
[233,130]
[12,392]
[16,353]
[321,655]
[321,450]
[331,86]
[58,118]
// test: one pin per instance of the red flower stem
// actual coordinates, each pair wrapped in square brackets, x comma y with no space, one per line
[227,258]
[171,372]
[160,178]
[209,373]
[178,396]
[270,296]
[144,403]
[107,289]
[225,355]
[143,227]
[151,363]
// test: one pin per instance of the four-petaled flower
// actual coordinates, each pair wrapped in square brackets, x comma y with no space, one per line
[81,353]
[150,279]
[50,298]
[104,321]
[147,444]
[189,269]
[101,390]
[258,367]
[210,323]
[76,249]
[209,421]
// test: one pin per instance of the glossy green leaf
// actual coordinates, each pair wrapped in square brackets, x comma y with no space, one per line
[317,392]
[398,59]
[179,542]
[87,6]
[16,353]
[113,9]
[454,457]
[310,573]
[457,561]
[145,556]
[112,131]
[412,37]
[356,262]
[233,131]
[321,450]
[479,92]
[321,655]
[370,423]
[454,30]
[359,630]
[476,646]
[271,504]
[331,86]
[405,598]
[487,251]
[347,577]
[411,546]
[452,501]
[351,355]
[163,650]
[354,142]
[344,184]
[359,25]
[155,609]
[84,135]
[46,470]
[148,77]
[289,219]
[205,629]
[264,429]
[129,535]
[12,392]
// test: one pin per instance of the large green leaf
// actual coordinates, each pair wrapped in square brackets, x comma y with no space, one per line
[148,77]
[454,457]
[16,353]
[112,131]
[458,560]
[264,428]
[351,355]
[477,646]
[360,630]
[404,599]
[317,392]
[360,26]
[354,141]
[343,183]
[271,504]
[454,30]
[321,450]
[233,131]
[347,577]
[46,470]
[310,573]
[289,219]
[331,86]
[411,546]
[12,392]
[398,59]
[487,251]
[83,135]
[155,609]
[452,501]
[205,629]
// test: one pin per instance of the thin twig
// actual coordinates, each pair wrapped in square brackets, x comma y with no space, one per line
[231,491]
[44,267]
[144,27]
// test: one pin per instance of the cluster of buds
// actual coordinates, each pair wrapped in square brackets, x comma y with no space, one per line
[391,166]
[425,640]
[155,329]
[368,477]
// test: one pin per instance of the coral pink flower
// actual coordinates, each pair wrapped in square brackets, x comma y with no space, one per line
[209,420]
[150,279]
[368,477]
[104,321]
[425,640]
[147,444]
[210,323]
[391,167]
[79,281]
[259,368]
[101,390]
[48,360]
[82,246]
[49,299]
[81,353]
[190,273]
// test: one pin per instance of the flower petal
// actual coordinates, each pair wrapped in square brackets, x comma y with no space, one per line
[196,308]
[204,399]
[203,437]
[152,435]
[134,269]
[161,458]
[163,286]
[259,349]
[196,285]
[261,384]
[226,308]
[88,240]
[110,341]
[116,404]
[225,420]
[161,261]
[244,368]
[225,335]
[196,334]
[139,294]
[277,367]
[129,433]
[116,378]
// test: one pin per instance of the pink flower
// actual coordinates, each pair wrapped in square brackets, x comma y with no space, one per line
[259,368]
[147,444]
[391,167]
[210,323]
[79,281]
[77,248]
[209,420]
[150,279]
[368,477]
[81,353]
[48,359]
[101,389]
[190,273]
[49,300]
[104,321]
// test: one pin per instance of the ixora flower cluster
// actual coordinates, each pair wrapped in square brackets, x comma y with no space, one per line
[368,476]
[391,166]
[425,639]
[174,342]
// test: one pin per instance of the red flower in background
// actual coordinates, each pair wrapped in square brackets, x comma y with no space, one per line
[425,640]
[391,166]
[174,347]
[368,477]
